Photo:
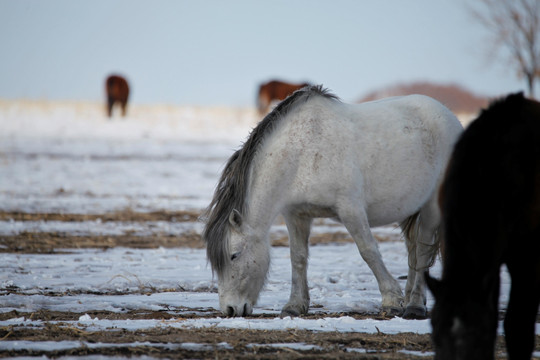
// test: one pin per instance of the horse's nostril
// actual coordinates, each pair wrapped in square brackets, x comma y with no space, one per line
[245,310]
[230,311]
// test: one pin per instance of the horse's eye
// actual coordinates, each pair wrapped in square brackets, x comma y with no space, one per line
[235,255]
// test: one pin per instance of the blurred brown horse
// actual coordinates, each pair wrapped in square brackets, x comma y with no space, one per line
[275,91]
[117,90]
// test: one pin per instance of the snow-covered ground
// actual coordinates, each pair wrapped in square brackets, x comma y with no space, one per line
[69,158]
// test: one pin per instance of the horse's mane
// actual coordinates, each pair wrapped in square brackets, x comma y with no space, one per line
[231,190]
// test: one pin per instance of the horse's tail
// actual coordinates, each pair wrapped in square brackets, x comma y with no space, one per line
[411,230]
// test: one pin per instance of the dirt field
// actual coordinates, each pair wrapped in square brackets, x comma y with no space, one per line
[173,342]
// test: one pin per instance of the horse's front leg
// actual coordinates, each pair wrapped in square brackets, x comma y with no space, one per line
[356,222]
[299,228]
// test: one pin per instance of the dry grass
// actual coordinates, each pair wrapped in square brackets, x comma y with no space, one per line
[167,342]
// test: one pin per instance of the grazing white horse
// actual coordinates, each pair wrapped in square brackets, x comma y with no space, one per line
[313,156]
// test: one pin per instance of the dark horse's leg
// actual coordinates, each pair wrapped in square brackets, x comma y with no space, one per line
[520,320]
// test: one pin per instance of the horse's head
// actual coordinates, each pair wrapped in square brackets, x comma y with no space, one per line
[244,272]
[462,329]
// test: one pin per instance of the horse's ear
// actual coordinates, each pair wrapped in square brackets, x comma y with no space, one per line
[434,285]
[235,219]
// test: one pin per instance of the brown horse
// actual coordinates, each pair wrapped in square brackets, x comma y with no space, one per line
[117,90]
[275,91]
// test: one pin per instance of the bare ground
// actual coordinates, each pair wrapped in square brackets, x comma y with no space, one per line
[173,342]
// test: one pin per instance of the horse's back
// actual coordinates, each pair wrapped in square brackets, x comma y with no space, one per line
[497,160]
[492,187]
[409,129]
[419,111]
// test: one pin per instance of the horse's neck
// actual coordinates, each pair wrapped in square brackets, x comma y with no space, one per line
[260,214]
[263,202]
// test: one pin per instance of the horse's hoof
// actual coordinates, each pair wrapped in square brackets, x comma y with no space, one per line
[415,313]
[392,311]
[289,312]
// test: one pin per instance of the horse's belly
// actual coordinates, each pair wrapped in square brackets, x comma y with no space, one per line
[387,201]
[398,198]
[383,215]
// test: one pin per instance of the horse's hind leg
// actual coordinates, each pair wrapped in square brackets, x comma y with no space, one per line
[356,222]
[422,244]
[520,320]
[299,229]
[124,107]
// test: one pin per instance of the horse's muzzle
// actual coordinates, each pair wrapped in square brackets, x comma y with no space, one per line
[237,311]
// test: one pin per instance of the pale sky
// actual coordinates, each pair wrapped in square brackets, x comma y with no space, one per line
[211,52]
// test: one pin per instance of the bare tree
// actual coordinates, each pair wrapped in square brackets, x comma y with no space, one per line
[515,25]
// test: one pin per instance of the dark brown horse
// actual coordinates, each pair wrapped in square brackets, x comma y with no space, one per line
[117,90]
[490,201]
[274,91]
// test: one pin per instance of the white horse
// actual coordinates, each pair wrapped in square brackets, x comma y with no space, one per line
[366,165]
